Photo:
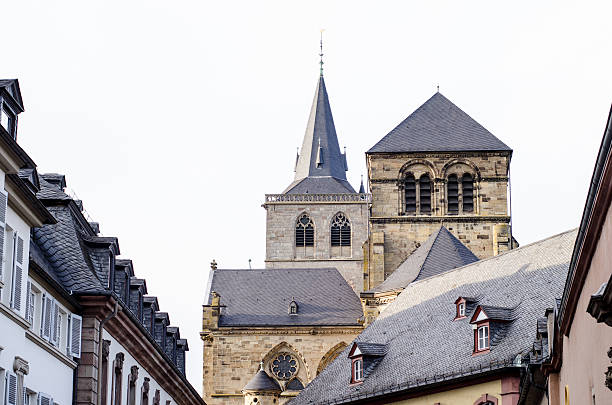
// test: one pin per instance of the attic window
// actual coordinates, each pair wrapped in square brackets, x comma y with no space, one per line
[358,370]
[293,308]
[461,310]
[482,338]
[7,119]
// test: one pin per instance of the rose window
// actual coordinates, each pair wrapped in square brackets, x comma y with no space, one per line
[284,366]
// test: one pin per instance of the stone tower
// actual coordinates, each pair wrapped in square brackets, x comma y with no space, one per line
[319,220]
[437,167]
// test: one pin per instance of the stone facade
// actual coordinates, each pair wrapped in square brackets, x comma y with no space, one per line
[281,250]
[395,233]
[232,356]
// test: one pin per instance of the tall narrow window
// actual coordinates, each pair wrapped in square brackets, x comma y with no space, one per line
[104,386]
[358,370]
[483,337]
[117,379]
[452,191]
[425,194]
[410,194]
[467,185]
[304,232]
[340,231]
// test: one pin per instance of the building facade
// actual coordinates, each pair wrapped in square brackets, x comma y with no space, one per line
[27,352]
[437,167]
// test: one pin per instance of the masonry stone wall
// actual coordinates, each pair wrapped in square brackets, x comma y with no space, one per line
[484,230]
[232,356]
[281,251]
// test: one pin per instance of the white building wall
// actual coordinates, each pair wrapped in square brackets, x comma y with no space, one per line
[47,373]
[129,361]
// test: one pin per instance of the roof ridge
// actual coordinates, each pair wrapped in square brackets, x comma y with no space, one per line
[497,256]
[430,249]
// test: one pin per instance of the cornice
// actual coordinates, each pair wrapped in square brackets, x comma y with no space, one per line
[395,180]
[438,155]
[133,339]
[440,219]
[281,331]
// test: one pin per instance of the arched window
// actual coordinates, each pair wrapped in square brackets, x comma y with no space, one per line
[425,194]
[452,194]
[340,231]
[467,186]
[304,231]
[410,194]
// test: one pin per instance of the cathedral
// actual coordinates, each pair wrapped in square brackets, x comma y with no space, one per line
[336,257]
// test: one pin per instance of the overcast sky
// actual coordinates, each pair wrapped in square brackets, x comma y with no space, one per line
[172,119]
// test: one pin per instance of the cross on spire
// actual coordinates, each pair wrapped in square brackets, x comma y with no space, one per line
[321,54]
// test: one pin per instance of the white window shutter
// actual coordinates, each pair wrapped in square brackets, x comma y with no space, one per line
[75,335]
[55,324]
[11,389]
[28,302]
[17,281]
[3,201]
[46,324]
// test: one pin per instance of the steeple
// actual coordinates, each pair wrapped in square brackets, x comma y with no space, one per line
[321,166]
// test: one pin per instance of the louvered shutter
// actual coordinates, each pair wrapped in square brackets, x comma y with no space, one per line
[28,302]
[47,317]
[76,323]
[11,389]
[55,325]
[3,201]
[44,399]
[26,397]
[16,285]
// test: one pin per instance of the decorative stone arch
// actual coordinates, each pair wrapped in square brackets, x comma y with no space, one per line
[486,399]
[405,169]
[448,169]
[417,168]
[285,347]
[330,356]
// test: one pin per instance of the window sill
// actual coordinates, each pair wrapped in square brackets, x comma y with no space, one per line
[9,312]
[479,352]
[54,351]
[459,317]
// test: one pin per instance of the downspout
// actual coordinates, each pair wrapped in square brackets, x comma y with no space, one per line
[101,329]
[510,203]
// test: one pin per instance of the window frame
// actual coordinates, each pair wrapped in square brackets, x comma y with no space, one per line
[477,338]
[357,370]
[6,110]
[461,310]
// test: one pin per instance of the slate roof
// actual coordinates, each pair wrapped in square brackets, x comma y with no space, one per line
[437,126]
[418,326]
[439,253]
[321,166]
[499,313]
[262,297]
[372,349]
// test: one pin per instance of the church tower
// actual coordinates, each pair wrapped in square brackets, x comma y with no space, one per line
[319,220]
[438,167]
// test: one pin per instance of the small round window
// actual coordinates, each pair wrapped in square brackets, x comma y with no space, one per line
[284,366]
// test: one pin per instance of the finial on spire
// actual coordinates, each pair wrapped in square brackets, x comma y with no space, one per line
[321,54]
[437,88]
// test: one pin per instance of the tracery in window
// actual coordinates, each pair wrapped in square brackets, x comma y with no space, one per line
[340,235]
[410,194]
[304,231]
[467,190]
[284,366]
[425,194]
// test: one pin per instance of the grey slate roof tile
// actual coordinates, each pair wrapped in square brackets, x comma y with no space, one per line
[437,126]
[262,297]
[319,185]
[439,253]
[423,341]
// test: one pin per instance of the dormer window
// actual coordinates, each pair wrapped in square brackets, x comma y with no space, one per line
[483,338]
[358,370]
[7,119]
[293,308]
[461,310]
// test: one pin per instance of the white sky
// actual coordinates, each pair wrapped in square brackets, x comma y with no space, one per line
[172,119]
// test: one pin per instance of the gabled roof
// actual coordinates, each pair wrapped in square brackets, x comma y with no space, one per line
[439,126]
[494,313]
[11,86]
[261,297]
[439,253]
[368,349]
[418,326]
[320,160]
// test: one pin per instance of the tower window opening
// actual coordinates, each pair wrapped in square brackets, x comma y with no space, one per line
[340,231]
[304,232]
[452,188]
[467,186]
[425,194]
[410,194]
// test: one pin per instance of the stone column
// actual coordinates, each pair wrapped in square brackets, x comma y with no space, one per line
[87,370]
[21,368]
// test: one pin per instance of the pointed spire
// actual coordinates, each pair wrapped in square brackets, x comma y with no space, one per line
[361,187]
[320,153]
[321,54]
[297,157]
